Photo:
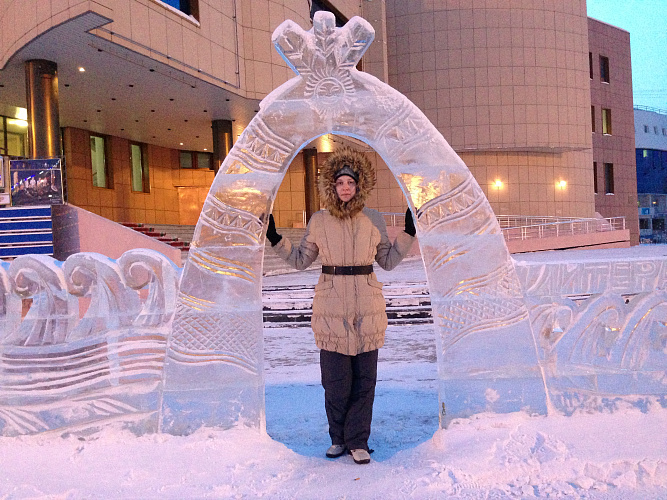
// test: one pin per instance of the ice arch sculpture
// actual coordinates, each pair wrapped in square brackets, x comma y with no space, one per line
[213,372]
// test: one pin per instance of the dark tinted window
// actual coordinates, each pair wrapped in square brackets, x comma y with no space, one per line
[604,69]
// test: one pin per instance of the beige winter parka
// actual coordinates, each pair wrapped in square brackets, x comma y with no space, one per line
[348,311]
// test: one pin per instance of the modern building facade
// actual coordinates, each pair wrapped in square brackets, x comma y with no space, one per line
[651,157]
[151,95]
[612,124]
[507,88]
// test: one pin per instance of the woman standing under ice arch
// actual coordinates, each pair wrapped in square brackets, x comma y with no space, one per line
[349,318]
[213,372]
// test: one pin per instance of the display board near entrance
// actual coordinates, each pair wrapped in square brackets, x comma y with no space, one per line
[36,182]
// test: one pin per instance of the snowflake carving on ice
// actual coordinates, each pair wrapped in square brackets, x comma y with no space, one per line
[324,57]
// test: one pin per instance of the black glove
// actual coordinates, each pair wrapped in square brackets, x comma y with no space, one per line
[271,233]
[410,223]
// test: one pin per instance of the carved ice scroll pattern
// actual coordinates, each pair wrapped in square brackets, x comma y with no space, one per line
[61,372]
[10,306]
[601,329]
[53,311]
[112,304]
[159,276]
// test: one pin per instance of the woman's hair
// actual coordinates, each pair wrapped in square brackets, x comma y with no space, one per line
[360,166]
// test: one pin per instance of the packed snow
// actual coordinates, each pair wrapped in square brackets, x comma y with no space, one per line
[619,455]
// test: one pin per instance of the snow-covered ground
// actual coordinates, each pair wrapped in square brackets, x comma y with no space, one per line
[598,456]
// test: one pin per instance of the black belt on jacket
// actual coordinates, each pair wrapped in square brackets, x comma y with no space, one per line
[348,270]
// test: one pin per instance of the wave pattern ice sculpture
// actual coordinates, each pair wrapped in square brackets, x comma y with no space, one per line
[213,372]
[60,369]
[602,331]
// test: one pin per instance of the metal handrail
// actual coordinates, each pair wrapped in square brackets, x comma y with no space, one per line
[649,108]
[393,219]
[509,221]
[524,227]
[564,228]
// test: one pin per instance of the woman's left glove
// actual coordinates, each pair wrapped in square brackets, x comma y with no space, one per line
[410,223]
[271,233]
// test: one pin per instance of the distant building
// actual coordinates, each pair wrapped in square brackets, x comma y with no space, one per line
[612,124]
[151,95]
[651,155]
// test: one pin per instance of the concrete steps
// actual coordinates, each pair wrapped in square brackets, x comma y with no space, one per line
[285,306]
[272,263]
[176,235]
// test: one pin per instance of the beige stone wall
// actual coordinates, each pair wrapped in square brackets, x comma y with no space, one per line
[490,75]
[262,68]
[530,182]
[162,205]
[507,85]
[209,49]
[21,21]
[374,61]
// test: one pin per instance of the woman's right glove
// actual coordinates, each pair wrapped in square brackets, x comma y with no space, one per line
[271,233]
[410,223]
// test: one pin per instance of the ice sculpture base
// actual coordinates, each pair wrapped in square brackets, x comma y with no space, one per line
[464,397]
[210,393]
[606,392]
[223,407]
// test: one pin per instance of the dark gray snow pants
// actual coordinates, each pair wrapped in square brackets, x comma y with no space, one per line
[349,392]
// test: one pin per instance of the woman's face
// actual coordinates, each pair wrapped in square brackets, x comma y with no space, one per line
[346,188]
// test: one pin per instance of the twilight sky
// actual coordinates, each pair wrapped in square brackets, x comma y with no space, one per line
[646,20]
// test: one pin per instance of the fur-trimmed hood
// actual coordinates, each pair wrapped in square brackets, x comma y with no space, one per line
[327,184]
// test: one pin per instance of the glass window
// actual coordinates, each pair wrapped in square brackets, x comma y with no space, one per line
[189,7]
[204,160]
[604,69]
[3,146]
[658,224]
[590,64]
[139,168]
[593,118]
[644,224]
[195,159]
[646,129]
[595,177]
[186,159]
[606,121]
[655,130]
[317,5]
[16,136]
[98,161]
[609,178]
